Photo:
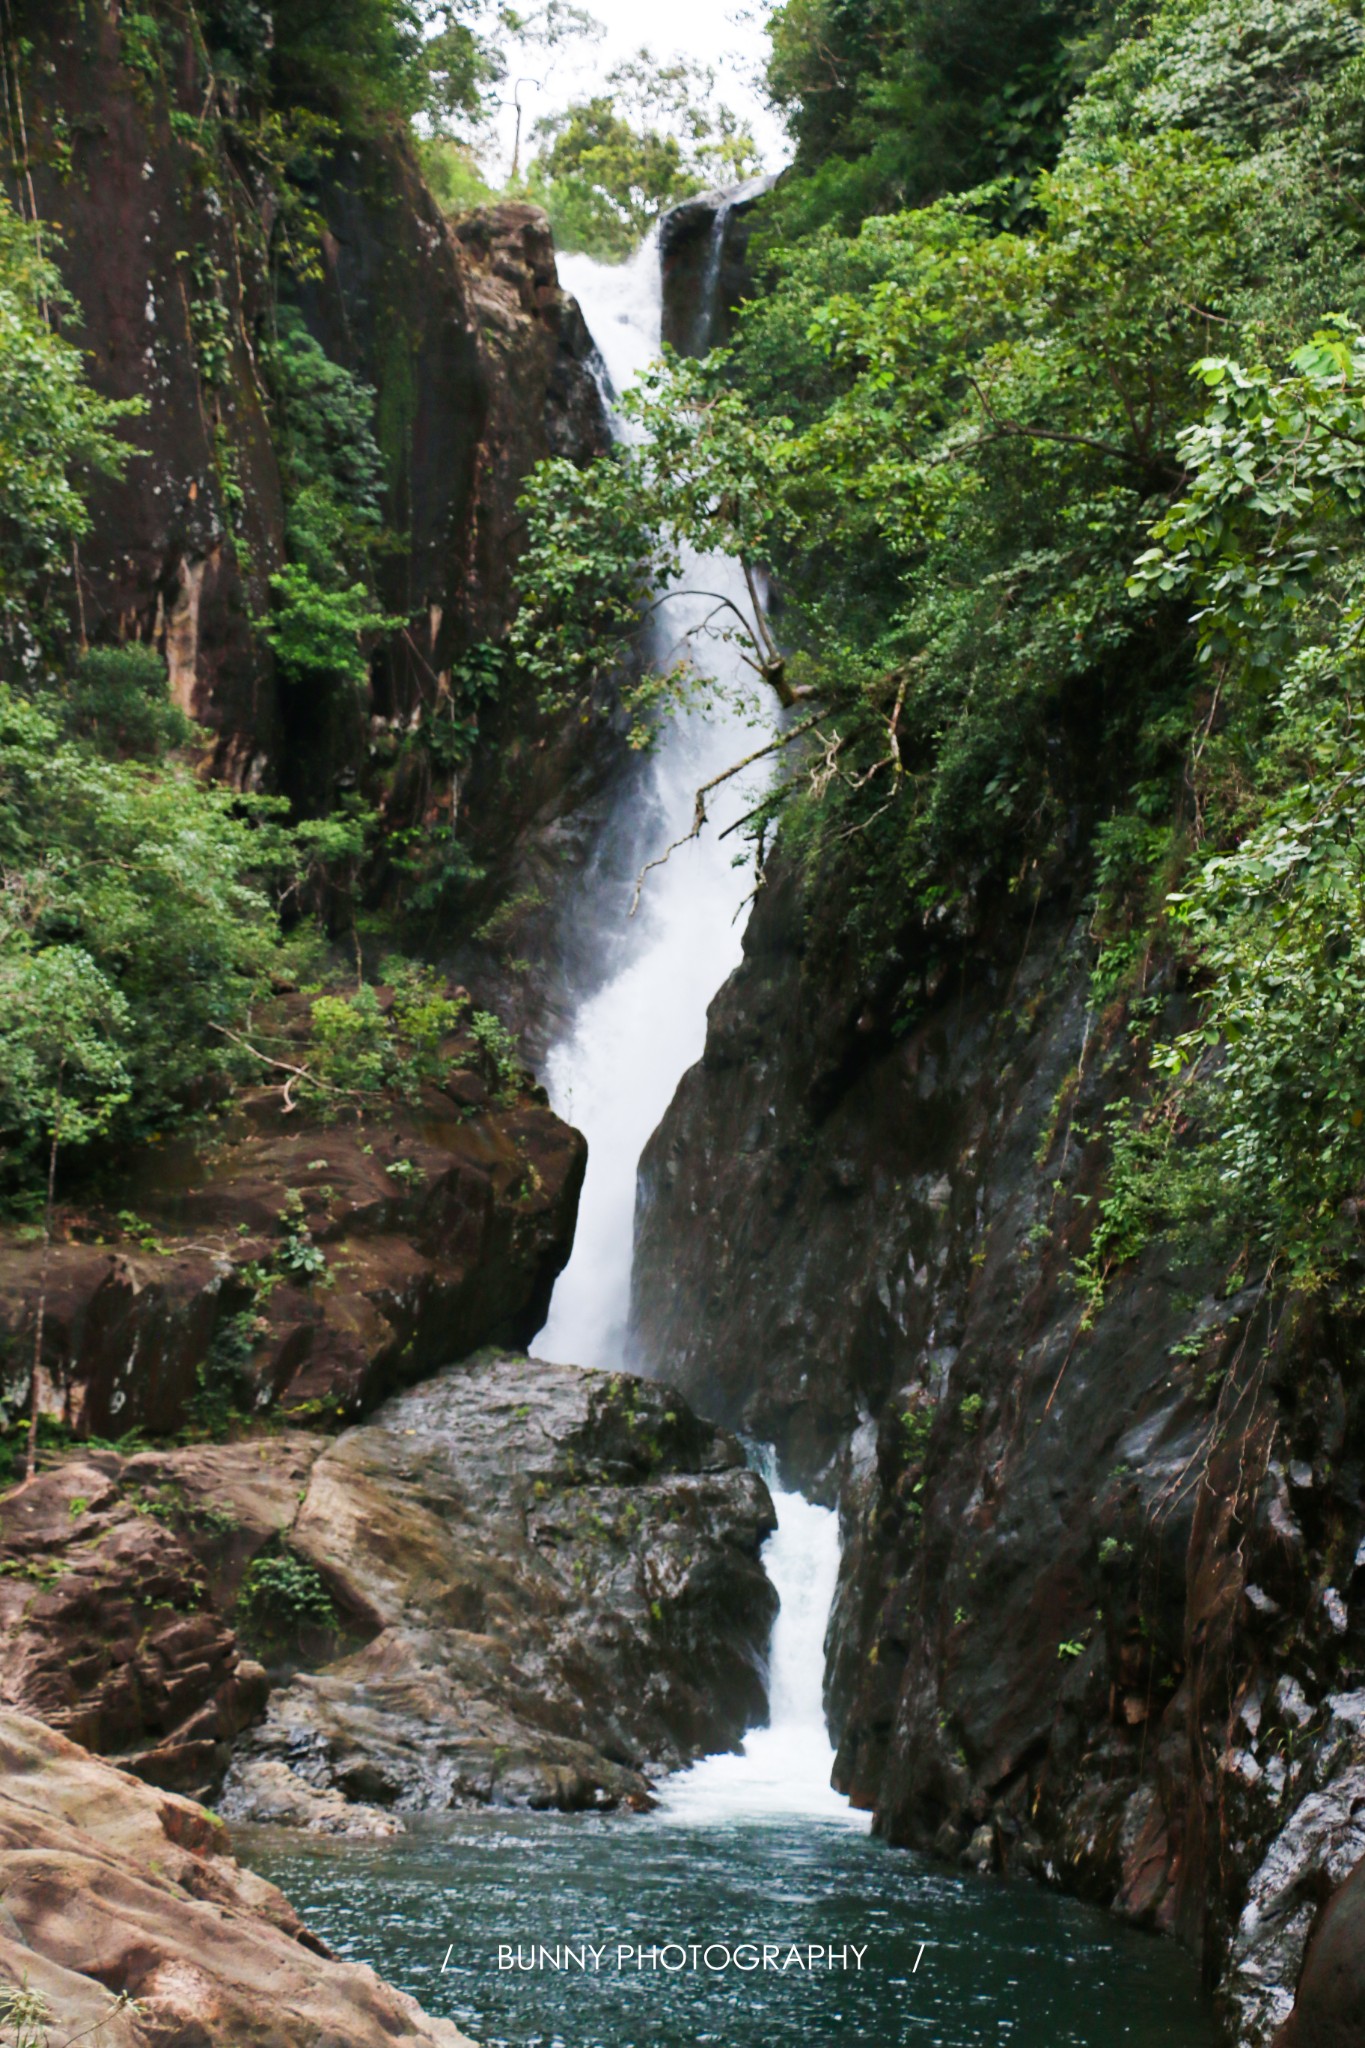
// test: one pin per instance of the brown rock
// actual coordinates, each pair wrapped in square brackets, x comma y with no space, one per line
[117,1581]
[111,1889]
[461,1248]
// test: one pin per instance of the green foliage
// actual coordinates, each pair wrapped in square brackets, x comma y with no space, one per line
[892,102]
[133,926]
[497,1041]
[224,1389]
[318,629]
[360,1045]
[1270,1085]
[593,555]
[55,433]
[350,1041]
[116,698]
[283,1593]
[325,609]
[608,166]
[453,174]
[368,62]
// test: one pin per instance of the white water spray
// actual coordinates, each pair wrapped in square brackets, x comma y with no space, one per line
[615,1071]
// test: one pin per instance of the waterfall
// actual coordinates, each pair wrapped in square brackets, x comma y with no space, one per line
[703,336]
[628,1045]
[632,1039]
[784,1769]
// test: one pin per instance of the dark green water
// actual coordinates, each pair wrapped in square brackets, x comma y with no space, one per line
[1000,1963]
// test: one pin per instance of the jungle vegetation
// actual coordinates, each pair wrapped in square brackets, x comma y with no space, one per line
[1048,416]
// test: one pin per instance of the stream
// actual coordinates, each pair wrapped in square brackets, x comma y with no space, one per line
[744,1850]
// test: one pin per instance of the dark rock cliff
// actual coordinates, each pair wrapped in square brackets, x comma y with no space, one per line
[1101,1616]
[168,236]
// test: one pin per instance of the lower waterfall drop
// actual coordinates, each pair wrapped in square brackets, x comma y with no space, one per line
[783,1770]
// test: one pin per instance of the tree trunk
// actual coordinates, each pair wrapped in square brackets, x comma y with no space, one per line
[32,1457]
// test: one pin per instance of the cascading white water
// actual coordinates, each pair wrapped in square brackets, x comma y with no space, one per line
[615,1071]
[784,1769]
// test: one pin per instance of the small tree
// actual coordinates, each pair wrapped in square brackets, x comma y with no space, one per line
[61,1026]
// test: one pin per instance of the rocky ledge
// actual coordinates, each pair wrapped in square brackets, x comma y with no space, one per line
[519,1582]
[279,1260]
[125,1915]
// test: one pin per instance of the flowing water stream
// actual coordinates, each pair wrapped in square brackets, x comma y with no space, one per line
[747,1850]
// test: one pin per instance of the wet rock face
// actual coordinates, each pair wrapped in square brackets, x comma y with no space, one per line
[115,1892]
[704,249]
[558,1574]
[1100,1616]
[1330,2009]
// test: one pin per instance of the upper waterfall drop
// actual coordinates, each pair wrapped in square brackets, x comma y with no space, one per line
[630,1041]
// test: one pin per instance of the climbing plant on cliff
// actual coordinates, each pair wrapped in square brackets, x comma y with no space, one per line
[56,433]
[1262,1127]
[325,607]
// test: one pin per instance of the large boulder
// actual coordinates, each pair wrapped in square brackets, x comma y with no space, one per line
[558,1574]
[113,1892]
[519,1582]
[1330,2009]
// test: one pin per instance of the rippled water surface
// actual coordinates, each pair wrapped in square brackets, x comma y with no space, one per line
[1001,1963]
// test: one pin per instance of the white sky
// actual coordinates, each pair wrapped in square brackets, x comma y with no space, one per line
[726,34]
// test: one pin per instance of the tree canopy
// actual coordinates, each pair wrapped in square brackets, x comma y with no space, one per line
[606,167]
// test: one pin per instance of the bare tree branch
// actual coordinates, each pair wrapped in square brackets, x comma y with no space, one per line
[699,802]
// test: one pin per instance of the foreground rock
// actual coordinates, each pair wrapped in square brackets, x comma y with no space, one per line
[519,1582]
[114,1892]
[558,1575]
[119,1585]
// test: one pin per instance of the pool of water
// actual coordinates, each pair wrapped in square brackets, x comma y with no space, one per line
[951,1961]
